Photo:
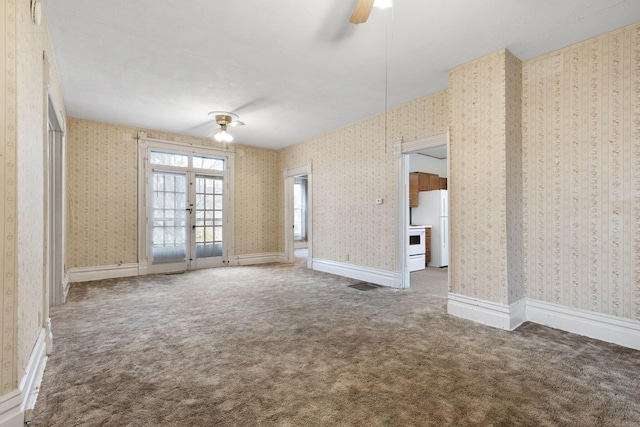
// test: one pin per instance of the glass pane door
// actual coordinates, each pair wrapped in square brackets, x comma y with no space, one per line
[208,225]
[169,221]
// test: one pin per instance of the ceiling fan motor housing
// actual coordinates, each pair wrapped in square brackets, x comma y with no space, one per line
[222,119]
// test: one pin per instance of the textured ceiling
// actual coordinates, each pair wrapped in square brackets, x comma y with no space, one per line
[291,69]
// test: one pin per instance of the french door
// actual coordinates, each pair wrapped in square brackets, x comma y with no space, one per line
[186,201]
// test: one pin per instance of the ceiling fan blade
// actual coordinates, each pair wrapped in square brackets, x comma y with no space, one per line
[215,131]
[235,123]
[361,12]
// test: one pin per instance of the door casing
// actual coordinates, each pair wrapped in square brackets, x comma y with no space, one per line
[145,146]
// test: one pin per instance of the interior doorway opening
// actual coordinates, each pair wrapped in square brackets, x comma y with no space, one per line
[425,208]
[298,214]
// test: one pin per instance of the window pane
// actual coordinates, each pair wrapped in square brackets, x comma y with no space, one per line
[209,251]
[208,163]
[169,201]
[169,159]
[170,183]
[200,234]
[199,201]
[218,249]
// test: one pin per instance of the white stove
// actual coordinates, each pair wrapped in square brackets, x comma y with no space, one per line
[416,247]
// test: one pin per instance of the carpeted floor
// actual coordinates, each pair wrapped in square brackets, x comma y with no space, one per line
[279,345]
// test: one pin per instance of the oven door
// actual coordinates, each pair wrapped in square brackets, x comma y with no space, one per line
[416,242]
[416,262]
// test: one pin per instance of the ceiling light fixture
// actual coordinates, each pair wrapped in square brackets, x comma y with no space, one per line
[225,119]
[223,135]
[383,4]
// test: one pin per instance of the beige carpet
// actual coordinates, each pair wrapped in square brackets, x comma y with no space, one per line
[279,345]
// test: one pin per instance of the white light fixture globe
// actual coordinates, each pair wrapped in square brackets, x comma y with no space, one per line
[383,4]
[223,135]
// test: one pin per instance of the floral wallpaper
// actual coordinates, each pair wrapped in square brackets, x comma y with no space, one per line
[8,196]
[581,153]
[102,194]
[478,185]
[259,221]
[27,42]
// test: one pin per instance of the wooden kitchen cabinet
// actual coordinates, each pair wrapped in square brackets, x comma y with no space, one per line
[427,245]
[422,181]
[414,179]
[434,182]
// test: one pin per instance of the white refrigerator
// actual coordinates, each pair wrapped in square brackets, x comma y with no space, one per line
[433,209]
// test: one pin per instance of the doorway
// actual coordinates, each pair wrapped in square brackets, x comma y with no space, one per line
[298,207]
[55,208]
[186,204]
[429,156]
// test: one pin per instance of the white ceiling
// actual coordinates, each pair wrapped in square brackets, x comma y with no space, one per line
[291,69]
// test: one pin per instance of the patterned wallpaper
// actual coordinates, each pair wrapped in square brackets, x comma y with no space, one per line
[32,167]
[581,150]
[102,194]
[354,165]
[478,178]
[102,176]
[259,218]
[513,170]
[8,196]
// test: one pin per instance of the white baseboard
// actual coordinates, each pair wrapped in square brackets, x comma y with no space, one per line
[10,413]
[252,259]
[617,330]
[366,274]
[30,383]
[101,272]
[489,313]
[66,285]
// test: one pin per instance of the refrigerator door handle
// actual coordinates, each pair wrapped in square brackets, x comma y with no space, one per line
[444,236]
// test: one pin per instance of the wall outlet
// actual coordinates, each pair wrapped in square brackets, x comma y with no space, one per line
[379,201]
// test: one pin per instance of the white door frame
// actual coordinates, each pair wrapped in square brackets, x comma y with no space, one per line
[145,143]
[55,207]
[289,175]
[402,151]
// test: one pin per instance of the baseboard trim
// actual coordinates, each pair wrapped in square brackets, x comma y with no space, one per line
[30,383]
[501,316]
[616,330]
[367,274]
[101,272]
[603,327]
[252,259]
[66,285]
[10,413]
